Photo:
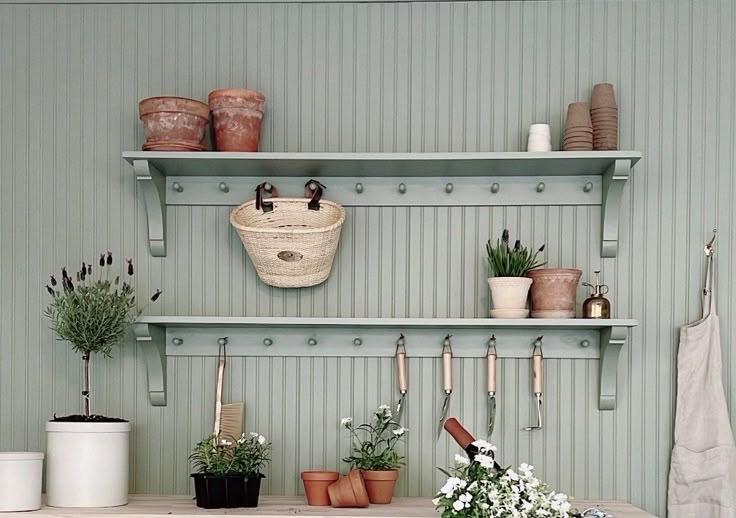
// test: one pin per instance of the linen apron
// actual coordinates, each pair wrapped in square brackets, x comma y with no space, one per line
[703,468]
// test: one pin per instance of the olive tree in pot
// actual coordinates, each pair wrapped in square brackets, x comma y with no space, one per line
[373,452]
[87,454]
[509,283]
[229,474]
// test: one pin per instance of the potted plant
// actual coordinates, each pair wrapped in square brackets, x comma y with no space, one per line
[229,474]
[554,292]
[509,282]
[373,452]
[87,454]
[481,488]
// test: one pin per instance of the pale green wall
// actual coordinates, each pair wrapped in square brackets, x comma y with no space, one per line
[380,77]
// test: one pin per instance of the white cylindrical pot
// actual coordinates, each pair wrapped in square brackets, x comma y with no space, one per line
[87,464]
[509,296]
[21,474]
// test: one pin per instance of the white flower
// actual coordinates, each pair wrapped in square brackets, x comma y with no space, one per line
[485,461]
[466,498]
[242,438]
[400,431]
[345,422]
[384,410]
[459,459]
[384,407]
[449,488]
[225,442]
[254,434]
[458,505]
[484,446]
[436,501]
[261,439]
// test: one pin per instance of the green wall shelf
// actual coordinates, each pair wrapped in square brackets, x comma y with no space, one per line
[164,336]
[388,179]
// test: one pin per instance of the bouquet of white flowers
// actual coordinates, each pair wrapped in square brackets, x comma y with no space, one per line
[478,489]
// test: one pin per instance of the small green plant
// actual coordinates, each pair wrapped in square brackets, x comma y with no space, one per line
[505,261]
[374,444]
[93,312]
[248,456]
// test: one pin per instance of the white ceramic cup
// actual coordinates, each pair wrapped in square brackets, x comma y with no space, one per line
[538,143]
[541,129]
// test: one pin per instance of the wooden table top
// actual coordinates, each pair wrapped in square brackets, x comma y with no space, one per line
[154,506]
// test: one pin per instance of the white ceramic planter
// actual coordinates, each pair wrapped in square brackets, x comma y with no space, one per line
[87,464]
[509,296]
[21,474]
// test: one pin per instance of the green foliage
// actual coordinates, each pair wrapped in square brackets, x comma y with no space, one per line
[248,456]
[374,444]
[516,261]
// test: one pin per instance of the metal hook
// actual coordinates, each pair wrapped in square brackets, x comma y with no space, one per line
[491,345]
[538,344]
[400,344]
[709,245]
[446,344]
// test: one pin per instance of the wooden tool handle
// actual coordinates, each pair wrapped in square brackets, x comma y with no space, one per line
[491,372]
[537,359]
[459,433]
[447,370]
[401,365]
[218,396]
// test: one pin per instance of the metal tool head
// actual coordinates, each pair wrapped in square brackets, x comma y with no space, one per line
[539,415]
[709,245]
[443,417]
[400,406]
[491,414]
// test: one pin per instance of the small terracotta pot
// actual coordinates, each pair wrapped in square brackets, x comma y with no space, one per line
[176,120]
[349,491]
[316,484]
[380,485]
[237,114]
[553,292]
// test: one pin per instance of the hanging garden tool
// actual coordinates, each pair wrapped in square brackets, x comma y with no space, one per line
[228,417]
[537,360]
[491,363]
[447,376]
[401,370]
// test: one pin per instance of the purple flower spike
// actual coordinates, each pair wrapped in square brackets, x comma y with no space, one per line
[53,281]
[130,266]
[50,290]
[102,259]
[89,269]
[64,275]
[109,258]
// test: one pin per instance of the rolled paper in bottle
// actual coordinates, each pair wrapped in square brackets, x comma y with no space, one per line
[447,370]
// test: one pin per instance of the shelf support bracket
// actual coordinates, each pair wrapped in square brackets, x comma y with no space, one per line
[153,185]
[614,180]
[152,339]
[612,341]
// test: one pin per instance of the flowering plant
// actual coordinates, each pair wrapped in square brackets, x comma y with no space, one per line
[248,456]
[94,315]
[479,489]
[505,261]
[374,444]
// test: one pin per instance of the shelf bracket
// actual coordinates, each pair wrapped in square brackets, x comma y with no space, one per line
[612,341]
[152,338]
[614,180]
[153,184]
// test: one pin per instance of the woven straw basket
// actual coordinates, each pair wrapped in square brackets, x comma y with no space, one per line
[291,246]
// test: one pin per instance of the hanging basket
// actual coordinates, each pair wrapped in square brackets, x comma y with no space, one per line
[291,241]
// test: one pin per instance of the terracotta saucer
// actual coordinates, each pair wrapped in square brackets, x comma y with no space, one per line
[172,146]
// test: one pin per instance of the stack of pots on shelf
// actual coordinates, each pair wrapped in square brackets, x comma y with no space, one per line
[604,116]
[180,124]
[578,128]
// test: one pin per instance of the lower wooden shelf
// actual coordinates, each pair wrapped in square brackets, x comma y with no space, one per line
[153,506]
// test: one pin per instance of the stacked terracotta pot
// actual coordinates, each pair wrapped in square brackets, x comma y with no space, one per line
[604,117]
[179,124]
[578,128]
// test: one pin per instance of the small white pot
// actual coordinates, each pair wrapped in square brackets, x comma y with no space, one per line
[509,295]
[21,474]
[87,464]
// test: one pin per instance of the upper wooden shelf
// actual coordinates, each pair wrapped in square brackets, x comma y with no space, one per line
[555,163]
[388,179]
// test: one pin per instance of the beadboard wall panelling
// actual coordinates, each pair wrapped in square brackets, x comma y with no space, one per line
[369,77]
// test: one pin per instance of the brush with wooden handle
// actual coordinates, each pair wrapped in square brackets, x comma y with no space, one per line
[228,417]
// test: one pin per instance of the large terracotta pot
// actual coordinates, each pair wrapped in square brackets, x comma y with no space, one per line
[316,484]
[349,491]
[509,296]
[553,292]
[380,485]
[237,114]
[173,121]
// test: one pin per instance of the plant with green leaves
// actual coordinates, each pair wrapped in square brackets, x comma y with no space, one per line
[93,313]
[507,261]
[373,446]
[248,456]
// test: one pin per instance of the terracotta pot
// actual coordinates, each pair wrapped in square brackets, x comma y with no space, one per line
[553,292]
[237,114]
[173,120]
[316,484]
[509,293]
[349,491]
[380,485]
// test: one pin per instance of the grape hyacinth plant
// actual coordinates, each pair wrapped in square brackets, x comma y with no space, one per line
[507,261]
[479,489]
[93,313]
[374,444]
